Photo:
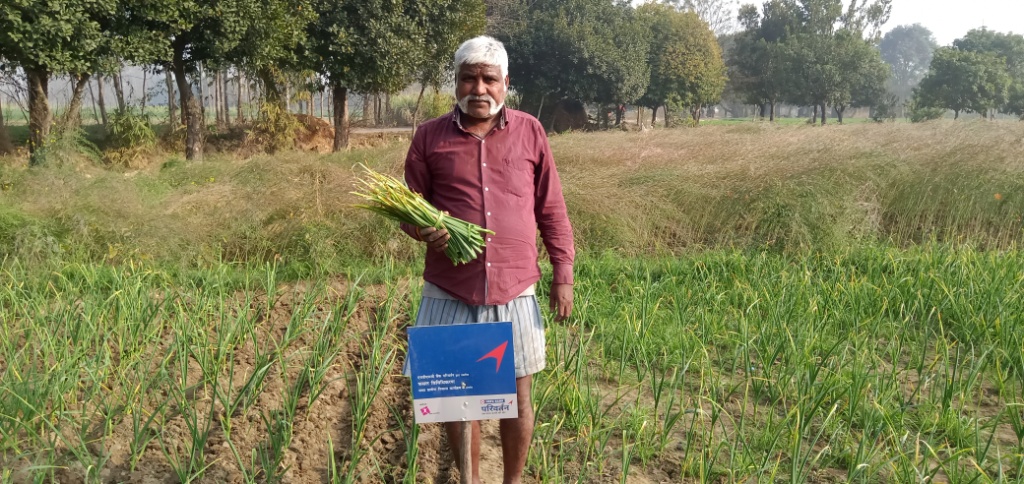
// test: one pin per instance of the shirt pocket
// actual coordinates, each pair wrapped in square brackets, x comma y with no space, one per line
[518,173]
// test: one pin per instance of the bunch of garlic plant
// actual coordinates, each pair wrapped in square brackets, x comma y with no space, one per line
[390,197]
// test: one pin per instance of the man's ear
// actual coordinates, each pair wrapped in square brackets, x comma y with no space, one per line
[507,84]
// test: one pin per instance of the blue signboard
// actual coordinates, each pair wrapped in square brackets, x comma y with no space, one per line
[463,372]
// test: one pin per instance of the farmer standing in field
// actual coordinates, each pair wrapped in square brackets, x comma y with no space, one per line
[492,166]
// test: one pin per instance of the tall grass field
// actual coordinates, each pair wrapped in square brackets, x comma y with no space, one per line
[754,303]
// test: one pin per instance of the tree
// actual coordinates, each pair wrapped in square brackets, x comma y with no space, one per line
[864,18]
[181,36]
[758,70]
[963,81]
[866,74]
[44,37]
[592,51]
[908,50]
[718,14]
[271,45]
[686,62]
[821,50]
[368,46]
[1010,49]
[5,138]
[447,26]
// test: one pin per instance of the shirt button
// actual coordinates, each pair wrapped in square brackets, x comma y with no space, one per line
[487,189]
[488,264]
[485,164]
[488,239]
[488,214]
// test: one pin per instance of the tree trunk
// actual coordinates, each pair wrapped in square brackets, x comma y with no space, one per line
[224,97]
[72,119]
[190,109]
[95,111]
[287,97]
[239,116]
[839,113]
[271,87]
[665,107]
[618,116]
[771,112]
[323,94]
[376,110]
[99,99]
[640,116]
[218,113]
[5,139]
[119,90]
[956,114]
[814,120]
[416,110]
[389,117]
[142,104]
[340,95]
[39,118]
[654,115]
[172,107]
[761,110]
[203,94]
[252,98]
[824,114]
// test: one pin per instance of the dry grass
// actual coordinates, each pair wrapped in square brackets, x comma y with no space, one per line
[753,185]
[797,186]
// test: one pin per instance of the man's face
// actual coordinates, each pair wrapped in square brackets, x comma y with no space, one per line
[480,90]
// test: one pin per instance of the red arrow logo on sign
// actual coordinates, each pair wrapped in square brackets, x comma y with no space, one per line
[497,353]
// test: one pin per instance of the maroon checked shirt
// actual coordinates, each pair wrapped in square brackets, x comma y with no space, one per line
[505,182]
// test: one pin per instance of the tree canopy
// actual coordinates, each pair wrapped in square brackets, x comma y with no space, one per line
[47,37]
[963,81]
[686,62]
[908,50]
[593,51]
[810,52]
[384,45]
[1010,49]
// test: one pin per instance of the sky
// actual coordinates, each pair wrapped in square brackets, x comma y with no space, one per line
[951,19]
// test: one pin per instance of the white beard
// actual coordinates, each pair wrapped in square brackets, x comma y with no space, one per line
[494,109]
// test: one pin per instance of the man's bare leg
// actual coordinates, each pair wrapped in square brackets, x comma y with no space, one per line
[516,433]
[455,441]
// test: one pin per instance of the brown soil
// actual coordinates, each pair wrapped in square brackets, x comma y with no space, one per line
[306,459]
[317,134]
[314,134]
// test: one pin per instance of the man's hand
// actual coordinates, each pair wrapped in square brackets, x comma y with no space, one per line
[561,301]
[436,240]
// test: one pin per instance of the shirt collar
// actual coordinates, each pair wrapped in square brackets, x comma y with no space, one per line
[502,117]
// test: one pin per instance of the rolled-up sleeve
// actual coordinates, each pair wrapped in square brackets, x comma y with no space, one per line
[550,211]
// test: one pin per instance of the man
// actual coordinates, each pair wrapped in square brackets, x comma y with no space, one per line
[492,166]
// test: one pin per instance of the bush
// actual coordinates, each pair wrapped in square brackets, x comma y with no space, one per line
[130,138]
[434,104]
[919,113]
[60,149]
[885,110]
[274,128]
